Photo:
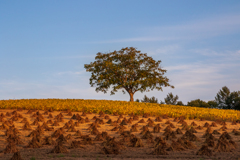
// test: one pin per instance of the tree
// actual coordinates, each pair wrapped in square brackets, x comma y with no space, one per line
[236,99]
[149,100]
[180,103]
[198,103]
[228,100]
[128,70]
[137,100]
[222,98]
[212,104]
[171,99]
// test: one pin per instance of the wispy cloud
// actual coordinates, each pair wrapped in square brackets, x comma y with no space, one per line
[168,49]
[218,23]
[213,53]
[137,39]
[23,90]
[201,28]
[203,79]
[208,27]
[194,74]
[71,73]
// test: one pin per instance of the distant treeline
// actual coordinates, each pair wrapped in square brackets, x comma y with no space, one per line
[223,100]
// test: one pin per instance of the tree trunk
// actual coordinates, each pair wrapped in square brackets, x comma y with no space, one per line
[131,96]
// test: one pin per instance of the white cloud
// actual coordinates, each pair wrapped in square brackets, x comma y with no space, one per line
[137,39]
[208,27]
[168,49]
[24,90]
[203,79]
[218,54]
[214,23]
[71,73]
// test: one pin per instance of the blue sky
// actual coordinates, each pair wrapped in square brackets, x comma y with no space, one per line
[45,44]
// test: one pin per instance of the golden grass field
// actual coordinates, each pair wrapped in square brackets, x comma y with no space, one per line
[122,107]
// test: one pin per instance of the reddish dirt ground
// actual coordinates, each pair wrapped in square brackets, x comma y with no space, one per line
[129,145]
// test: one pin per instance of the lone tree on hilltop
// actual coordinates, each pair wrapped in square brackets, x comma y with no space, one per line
[128,70]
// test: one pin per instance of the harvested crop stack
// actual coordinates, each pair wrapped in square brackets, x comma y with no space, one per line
[141,121]
[59,148]
[58,132]
[193,124]
[192,130]
[35,143]
[158,119]
[16,156]
[87,140]
[136,142]
[14,138]
[10,148]
[204,150]
[156,128]
[110,150]
[147,135]
[160,150]
[27,126]
[71,129]
[178,131]
[76,144]
[175,146]
[190,136]
[134,128]
[48,141]
[186,143]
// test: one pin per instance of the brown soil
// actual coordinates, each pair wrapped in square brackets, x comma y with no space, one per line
[77,135]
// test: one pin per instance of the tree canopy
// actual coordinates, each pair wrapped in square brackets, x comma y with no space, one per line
[228,100]
[149,100]
[128,70]
[198,103]
[171,99]
[213,104]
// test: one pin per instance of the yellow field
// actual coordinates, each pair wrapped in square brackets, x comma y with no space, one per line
[122,107]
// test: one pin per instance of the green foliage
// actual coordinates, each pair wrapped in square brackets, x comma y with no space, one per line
[228,100]
[180,103]
[198,103]
[222,98]
[213,104]
[149,100]
[171,99]
[128,70]
[32,158]
[137,100]
[235,96]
